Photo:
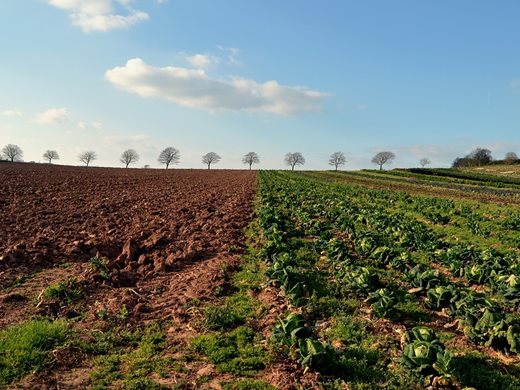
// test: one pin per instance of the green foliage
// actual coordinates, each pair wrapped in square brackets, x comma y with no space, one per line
[383,302]
[128,359]
[68,291]
[496,330]
[316,354]
[479,371]
[440,296]
[361,280]
[235,310]
[220,317]
[422,350]
[26,348]
[100,265]
[288,331]
[420,277]
[237,352]
[365,243]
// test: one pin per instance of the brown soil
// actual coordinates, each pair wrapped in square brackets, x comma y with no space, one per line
[165,235]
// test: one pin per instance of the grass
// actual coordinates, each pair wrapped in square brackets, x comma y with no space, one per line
[237,352]
[26,348]
[129,359]
[479,371]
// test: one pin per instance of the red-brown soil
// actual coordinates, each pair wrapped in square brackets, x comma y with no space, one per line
[165,235]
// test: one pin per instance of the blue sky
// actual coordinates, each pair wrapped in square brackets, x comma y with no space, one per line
[420,78]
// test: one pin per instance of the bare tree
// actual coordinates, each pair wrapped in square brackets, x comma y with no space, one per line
[168,156]
[12,152]
[293,159]
[337,159]
[210,158]
[424,161]
[250,159]
[128,157]
[383,158]
[511,156]
[87,157]
[50,155]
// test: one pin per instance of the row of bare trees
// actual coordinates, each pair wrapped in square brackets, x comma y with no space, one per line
[171,155]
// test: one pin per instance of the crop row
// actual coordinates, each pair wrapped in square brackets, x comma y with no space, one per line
[382,259]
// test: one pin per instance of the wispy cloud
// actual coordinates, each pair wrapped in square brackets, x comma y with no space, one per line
[194,88]
[85,125]
[100,15]
[515,85]
[11,113]
[202,61]
[52,116]
[231,54]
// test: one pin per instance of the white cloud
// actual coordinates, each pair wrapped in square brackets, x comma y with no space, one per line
[194,88]
[202,61]
[52,116]
[11,113]
[94,125]
[99,15]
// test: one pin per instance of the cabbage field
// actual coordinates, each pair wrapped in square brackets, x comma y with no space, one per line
[391,290]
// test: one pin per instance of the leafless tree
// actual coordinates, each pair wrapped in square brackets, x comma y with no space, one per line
[87,157]
[12,152]
[50,155]
[210,158]
[168,156]
[128,157]
[250,159]
[337,159]
[293,159]
[424,161]
[511,156]
[383,158]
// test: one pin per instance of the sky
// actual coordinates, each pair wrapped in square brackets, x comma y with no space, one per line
[419,78]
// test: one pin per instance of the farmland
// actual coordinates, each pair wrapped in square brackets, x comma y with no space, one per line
[243,280]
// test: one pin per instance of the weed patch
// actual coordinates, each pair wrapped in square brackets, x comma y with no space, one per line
[237,352]
[26,348]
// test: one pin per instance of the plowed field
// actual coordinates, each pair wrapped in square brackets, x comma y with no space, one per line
[158,239]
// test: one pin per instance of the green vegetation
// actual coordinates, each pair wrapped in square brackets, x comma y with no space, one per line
[27,347]
[68,291]
[130,359]
[335,242]
[237,352]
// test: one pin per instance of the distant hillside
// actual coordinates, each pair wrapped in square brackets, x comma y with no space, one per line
[506,170]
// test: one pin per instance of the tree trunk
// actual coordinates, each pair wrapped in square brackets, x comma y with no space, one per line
[250,165]
[380,167]
[292,167]
[336,168]
[127,165]
[209,166]
[167,165]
